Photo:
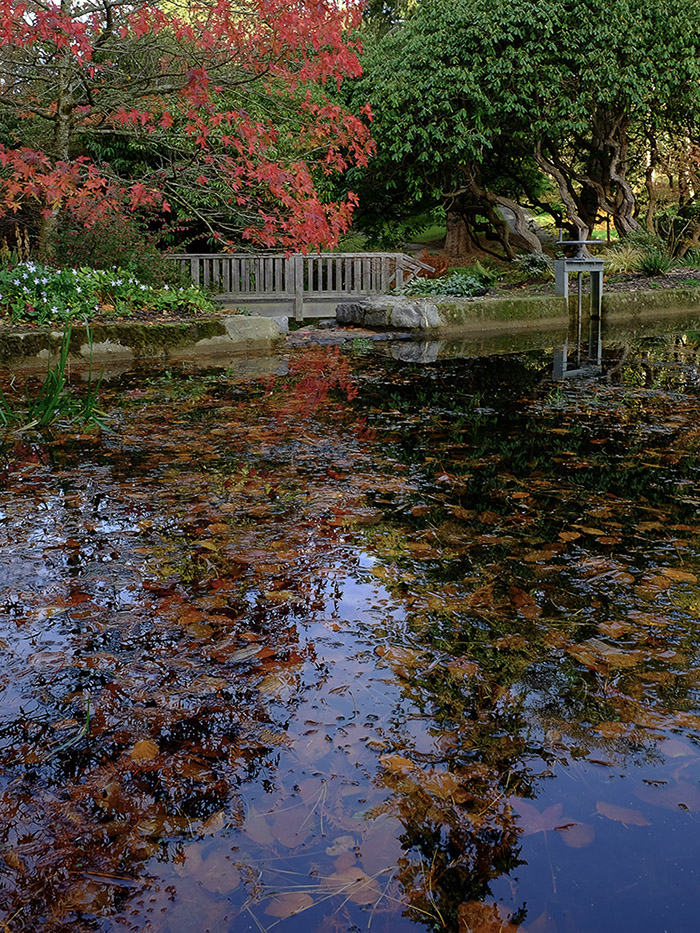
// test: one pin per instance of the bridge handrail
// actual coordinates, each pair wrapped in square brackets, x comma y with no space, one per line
[299,276]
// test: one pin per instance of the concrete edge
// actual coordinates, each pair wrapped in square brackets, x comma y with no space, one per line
[126,341]
[514,313]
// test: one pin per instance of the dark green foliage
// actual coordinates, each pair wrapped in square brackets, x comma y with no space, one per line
[479,99]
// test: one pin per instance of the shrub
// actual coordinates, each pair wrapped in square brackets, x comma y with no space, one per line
[535,265]
[655,262]
[456,284]
[625,257]
[31,292]
[111,241]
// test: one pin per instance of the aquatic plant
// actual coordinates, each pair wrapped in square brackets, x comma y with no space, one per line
[54,401]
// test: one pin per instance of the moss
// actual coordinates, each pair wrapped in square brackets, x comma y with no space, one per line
[643,302]
[457,311]
[134,339]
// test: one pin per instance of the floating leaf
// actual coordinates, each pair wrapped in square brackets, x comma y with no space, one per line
[678,796]
[576,835]
[532,821]
[680,576]
[353,884]
[396,763]
[144,750]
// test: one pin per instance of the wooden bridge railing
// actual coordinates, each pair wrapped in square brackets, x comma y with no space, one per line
[296,277]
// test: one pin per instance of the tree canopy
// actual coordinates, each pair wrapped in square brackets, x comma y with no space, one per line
[480,102]
[213,113]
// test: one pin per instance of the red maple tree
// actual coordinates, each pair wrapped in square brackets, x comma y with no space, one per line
[221,113]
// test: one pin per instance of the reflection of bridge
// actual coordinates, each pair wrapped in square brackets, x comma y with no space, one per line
[295,284]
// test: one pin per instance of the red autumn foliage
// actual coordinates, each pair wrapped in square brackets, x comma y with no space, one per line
[228,107]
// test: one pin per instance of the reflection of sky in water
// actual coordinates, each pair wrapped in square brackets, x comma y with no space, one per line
[456,665]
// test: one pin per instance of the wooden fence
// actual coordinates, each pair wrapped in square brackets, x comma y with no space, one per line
[295,278]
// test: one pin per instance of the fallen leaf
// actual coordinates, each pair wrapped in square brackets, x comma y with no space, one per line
[680,576]
[396,763]
[623,815]
[531,821]
[353,884]
[576,835]
[286,905]
[144,750]
[679,796]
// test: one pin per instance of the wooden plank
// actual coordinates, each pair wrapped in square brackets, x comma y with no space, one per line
[356,277]
[298,287]
[235,276]
[194,270]
[289,275]
[278,285]
[206,277]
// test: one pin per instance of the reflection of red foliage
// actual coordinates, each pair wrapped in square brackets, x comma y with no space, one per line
[319,379]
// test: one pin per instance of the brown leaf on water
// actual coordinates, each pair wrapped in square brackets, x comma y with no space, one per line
[678,796]
[531,821]
[353,884]
[286,905]
[614,629]
[218,874]
[599,656]
[569,535]
[441,784]
[623,815]
[396,763]
[611,730]
[393,654]
[679,576]
[145,750]
[464,667]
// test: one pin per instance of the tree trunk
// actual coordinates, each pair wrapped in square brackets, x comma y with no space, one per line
[62,129]
[458,241]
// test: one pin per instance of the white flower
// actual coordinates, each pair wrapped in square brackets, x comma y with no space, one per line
[166,288]
[78,289]
[143,288]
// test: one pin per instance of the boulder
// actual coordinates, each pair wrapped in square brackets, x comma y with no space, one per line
[391,311]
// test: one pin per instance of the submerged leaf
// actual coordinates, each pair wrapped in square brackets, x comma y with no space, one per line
[621,814]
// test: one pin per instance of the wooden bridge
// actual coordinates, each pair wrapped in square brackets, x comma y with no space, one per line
[296,284]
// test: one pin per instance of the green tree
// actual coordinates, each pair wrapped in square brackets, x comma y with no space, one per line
[477,102]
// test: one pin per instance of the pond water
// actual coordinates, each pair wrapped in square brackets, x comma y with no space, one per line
[365,645]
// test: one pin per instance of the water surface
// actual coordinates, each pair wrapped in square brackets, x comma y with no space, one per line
[367,645]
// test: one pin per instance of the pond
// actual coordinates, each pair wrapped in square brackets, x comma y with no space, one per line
[363,644]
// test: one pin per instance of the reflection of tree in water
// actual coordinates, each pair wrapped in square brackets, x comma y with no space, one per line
[181,572]
[513,579]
